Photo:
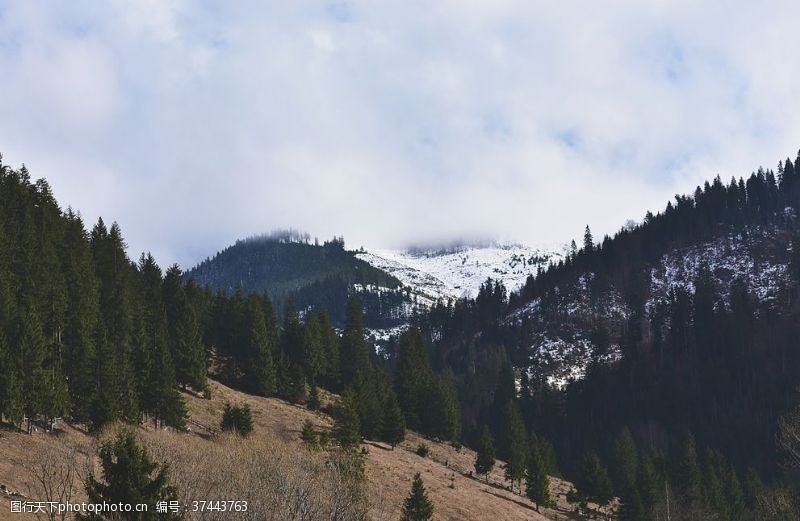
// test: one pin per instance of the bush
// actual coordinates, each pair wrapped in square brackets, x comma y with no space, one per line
[238,419]
[423,450]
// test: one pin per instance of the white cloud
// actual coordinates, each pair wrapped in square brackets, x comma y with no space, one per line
[195,124]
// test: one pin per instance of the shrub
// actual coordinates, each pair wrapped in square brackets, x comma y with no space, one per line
[423,450]
[238,419]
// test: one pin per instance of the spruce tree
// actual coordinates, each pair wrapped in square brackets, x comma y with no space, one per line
[515,446]
[537,484]
[259,368]
[394,425]
[594,482]
[11,404]
[354,352]
[313,398]
[237,419]
[588,240]
[413,376]
[130,477]
[32,356]
[417,506]
[625,463]
[309,435]
[484,460]
[347,427]
[186,346]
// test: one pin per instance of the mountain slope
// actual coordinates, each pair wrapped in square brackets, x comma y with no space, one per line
[446,471]
[287,267]
[452,273]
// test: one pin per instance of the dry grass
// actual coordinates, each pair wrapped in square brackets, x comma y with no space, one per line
[282,480]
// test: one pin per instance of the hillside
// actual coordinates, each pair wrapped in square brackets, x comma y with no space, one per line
[456,272]
[446,472]
[288,267]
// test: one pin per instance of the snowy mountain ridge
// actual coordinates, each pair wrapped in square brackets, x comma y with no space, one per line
[452,273]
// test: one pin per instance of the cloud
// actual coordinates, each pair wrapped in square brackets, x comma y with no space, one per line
[194,123]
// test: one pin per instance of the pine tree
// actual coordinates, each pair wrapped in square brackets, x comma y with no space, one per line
[130,477]
[186,346]
[537,486]
[11,405]
[394,425]
[417,506]
[329,343]
[484,460]
[238,419]
[354,352]
[347,426]
[259,369]
[625,463]
[309,435]
[594,482]
[313,398]
[588,240]
[413,376]
[515,446]
[32,355]
[688,478]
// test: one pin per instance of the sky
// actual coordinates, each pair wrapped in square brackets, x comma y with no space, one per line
[196,123]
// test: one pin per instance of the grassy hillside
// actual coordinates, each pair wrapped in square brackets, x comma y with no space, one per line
[204,464]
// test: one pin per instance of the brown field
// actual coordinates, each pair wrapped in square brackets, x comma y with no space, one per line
[275,472]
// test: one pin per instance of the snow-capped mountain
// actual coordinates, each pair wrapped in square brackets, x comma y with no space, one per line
[451,273]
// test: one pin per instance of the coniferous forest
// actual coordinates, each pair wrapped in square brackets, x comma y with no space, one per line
[696,411]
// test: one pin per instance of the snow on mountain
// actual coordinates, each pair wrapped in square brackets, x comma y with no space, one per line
[448,274]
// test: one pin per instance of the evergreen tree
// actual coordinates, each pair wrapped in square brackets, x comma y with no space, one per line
[394,425]
[588,240]
[417,506]
[413,376]
[32,355]
[130,477]
[238,419]
[537,486]
[313,398]
[309,435]
[347,426]
[259,369]
[186,346]
[515,446]
[594,482]
[484,460]
[11,404]
[354,352]
[688,478]
[625,463]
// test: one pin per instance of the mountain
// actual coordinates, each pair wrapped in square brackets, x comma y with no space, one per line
[684,324]
[457,271]
[287,266]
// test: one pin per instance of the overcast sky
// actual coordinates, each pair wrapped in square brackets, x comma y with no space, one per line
[196,123]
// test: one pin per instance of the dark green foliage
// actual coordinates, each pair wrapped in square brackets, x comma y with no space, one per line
[130,477]
[347,426]
[354,352]
[394,425]
[484,460]
[237,419]
[11,406]
[423,450]
[187,350]
[515,444]
[624,467]
[412,376]
[537,482]
[594,482]
[258,366]
[309,435]
[286,266]
[417,506]
[313,398]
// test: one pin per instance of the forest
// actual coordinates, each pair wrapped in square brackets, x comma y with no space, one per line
[696,415]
